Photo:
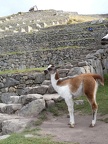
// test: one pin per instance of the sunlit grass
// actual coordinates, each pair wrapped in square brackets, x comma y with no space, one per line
[80,19]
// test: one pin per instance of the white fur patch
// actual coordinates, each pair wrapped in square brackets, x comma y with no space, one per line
[79,91]
[105,37]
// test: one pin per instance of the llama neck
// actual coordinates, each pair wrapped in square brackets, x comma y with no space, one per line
[54,79]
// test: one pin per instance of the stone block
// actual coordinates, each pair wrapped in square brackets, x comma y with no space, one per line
[54,97]
[14,125]
[76,71]
[11,82]
[12,108]
[5,97]
[33,108]
[25,99]
[14,99]
[99,69]
[36,90]
[79,102]
[39,78]
[63,72]
[50,103]
[87,69]
[46,82]
[83,63]
[51,89]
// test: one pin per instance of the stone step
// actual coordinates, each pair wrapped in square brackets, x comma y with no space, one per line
[13,123]
[9,108]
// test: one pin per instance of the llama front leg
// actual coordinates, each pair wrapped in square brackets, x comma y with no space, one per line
[70,105]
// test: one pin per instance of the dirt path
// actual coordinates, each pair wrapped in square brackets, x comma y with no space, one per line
[82,134]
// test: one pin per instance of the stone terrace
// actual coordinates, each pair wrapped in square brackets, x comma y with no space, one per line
[32,21]
[58,43]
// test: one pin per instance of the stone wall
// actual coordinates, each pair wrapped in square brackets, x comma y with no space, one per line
[33,59]
[18,83]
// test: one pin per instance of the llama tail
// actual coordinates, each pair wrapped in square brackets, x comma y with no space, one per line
[98,77]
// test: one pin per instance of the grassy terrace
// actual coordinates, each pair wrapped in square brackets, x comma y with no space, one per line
[40,49]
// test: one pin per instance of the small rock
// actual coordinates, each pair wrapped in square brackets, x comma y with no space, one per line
[79,102]
[4,137]
[54,97]
[50,103]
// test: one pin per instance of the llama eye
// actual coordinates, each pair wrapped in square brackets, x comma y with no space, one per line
[49,69]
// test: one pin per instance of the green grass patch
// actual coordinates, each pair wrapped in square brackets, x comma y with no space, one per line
[102,100]
[40,69]
[13,53]
[20,139]
[59,109]
[42,117]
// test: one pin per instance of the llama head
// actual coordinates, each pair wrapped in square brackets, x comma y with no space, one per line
[51,69]
[104,40]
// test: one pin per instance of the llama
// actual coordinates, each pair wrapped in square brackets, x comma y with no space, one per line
[104,40]
[70,87]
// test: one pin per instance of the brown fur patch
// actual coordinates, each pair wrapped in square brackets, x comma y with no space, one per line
[88,81]
[57,75]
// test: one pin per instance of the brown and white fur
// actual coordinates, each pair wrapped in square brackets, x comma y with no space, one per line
[71,87]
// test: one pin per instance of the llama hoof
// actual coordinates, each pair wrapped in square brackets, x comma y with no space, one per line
[91,125]
[72,125]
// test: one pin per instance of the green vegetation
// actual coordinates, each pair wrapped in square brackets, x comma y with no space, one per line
[59,109]
[21,139]
[42,117]
[40,69]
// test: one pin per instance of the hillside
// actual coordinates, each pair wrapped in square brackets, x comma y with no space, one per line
[35,39]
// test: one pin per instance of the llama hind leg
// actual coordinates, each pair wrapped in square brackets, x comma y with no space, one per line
[90,92]
[94,106]
[70,105]
[94,114]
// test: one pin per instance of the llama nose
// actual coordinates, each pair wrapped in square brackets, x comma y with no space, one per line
[45,72]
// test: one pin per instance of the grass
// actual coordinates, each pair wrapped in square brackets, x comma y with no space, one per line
[80,19]
[20,139]
[59,109]
[40,69]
